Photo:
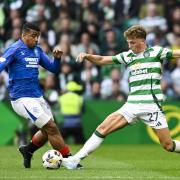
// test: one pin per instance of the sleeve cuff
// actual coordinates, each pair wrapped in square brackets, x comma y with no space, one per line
[115,60]
[169,55]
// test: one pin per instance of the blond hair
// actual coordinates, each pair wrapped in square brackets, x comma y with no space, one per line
[135,32]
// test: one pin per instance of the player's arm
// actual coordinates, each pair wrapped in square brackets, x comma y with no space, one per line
[176,53]
[97,59]
[7,58]
[49,64]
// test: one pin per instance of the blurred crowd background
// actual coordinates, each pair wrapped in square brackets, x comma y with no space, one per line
[92,26]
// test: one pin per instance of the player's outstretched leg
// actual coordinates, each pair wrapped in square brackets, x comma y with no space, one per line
[113,122]
[38,140]
[91,144]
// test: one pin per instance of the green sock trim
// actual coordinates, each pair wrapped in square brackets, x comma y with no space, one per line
[174,147]
[99,134]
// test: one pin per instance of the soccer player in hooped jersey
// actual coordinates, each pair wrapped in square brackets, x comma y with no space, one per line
[22,59]
[144,100]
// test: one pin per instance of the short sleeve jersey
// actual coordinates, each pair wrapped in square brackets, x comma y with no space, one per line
[145,73]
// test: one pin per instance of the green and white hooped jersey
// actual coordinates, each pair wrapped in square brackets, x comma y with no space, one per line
[145,73]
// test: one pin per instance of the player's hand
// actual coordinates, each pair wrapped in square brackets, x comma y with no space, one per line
[57,52]
[81,57]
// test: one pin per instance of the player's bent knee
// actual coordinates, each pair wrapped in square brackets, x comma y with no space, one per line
[50,127]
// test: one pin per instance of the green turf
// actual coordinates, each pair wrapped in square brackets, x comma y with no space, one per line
[136,162]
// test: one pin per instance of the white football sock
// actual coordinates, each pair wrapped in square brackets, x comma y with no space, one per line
[91,145]
[177,146]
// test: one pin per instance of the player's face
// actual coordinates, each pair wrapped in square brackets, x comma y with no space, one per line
[136,44]
[31,38]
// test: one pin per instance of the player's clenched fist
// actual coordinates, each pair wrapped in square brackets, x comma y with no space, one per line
[81,57]
[57,52]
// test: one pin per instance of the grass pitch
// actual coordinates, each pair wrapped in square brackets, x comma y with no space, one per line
[111,162]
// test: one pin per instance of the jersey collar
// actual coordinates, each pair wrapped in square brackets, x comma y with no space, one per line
[147,50]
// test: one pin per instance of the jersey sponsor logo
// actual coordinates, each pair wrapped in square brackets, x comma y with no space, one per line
[32,65]
[31,59]
[139,71]
[2,59]
[32,62]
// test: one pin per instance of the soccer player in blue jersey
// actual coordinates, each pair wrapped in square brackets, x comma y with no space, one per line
[22,60]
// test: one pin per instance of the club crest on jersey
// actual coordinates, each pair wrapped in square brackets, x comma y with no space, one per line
[146,54]
[36,52]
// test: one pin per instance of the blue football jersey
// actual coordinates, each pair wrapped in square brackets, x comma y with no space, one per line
[22,63]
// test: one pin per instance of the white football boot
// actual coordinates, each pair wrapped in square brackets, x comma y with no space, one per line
[71,163]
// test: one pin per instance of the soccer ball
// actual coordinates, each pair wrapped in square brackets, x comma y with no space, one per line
[52,159]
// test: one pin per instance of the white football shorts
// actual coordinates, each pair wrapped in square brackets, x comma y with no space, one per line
[35,109]
[150,114]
